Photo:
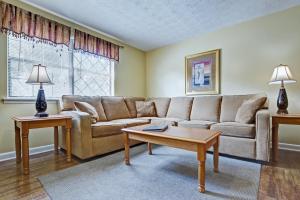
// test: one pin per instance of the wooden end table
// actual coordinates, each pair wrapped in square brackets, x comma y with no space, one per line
[24,124]
[277,119]
[192,139]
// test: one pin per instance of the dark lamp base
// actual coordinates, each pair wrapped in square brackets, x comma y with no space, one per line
[282,111]
[41,104]
[282,102]
[41,114]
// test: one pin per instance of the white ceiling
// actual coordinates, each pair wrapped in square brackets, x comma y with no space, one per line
[149,24]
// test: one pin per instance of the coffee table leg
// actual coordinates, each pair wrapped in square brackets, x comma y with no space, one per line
[149,148]
[216,155]
[201,154]
[126,145]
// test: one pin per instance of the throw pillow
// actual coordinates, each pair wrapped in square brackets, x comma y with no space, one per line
[145,109]
[88,108]
[247,110]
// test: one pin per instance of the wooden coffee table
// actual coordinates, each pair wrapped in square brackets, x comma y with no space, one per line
[192,139]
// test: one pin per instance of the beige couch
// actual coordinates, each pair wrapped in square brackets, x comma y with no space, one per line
[209,112]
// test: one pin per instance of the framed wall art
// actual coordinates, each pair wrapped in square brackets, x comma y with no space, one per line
[202,73]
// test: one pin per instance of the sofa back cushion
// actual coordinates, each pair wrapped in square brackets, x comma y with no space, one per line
[145,109]
[115,108]
[206,108]
[230,105]
[161,105]
[180,107]
[87,108]
[130,102]
[246,112]
[68,104]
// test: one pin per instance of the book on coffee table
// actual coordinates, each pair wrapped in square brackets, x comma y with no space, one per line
[158,128]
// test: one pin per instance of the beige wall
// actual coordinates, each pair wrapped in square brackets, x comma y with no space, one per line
[250,50]
[130,73]
[129,80]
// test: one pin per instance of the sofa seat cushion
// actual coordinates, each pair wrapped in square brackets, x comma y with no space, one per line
[103,129]
[147,118]
[131,122]
[235,129]
[168,120]
[180,107]
[196,124]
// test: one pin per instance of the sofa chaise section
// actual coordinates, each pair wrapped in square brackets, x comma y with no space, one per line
[91,139]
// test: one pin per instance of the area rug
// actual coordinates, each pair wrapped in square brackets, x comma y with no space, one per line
[168,174]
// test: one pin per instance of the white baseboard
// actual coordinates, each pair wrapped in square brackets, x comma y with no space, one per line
[36,150]
[32,151]
[290,147]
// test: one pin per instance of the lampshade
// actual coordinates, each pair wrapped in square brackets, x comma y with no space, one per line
[281,73]
[39,75]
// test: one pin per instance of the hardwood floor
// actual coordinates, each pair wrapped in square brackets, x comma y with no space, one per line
[279,180]
[15,185]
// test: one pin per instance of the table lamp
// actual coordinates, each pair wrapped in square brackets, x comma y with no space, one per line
[282,75]
[40,76]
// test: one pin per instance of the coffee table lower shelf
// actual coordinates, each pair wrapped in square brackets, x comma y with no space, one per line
[191,144]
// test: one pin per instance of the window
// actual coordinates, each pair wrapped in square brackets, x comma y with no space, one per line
[92,74]
[23,54]
[71,72]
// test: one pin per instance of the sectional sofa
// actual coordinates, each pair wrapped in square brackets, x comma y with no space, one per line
[208,112]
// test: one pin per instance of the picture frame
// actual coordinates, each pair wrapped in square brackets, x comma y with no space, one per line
[202,73]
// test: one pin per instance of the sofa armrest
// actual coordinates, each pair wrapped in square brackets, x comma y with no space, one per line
[263,135]
[81,134]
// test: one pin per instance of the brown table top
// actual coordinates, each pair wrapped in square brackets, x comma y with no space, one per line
[33,118]
[196,135]
[296,115]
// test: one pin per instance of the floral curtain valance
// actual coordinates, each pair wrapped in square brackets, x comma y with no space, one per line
[22,23]
[91,44]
